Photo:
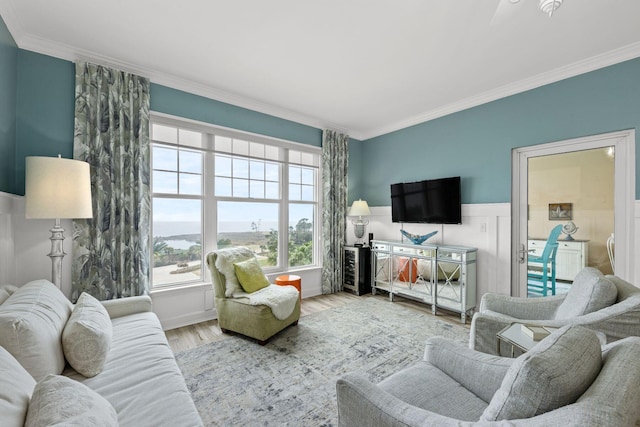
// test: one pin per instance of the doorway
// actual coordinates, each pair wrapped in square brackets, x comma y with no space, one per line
[534,213]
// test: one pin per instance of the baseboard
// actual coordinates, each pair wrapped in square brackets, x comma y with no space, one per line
[188,319]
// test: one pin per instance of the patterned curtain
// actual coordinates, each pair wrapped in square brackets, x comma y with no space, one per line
[335,163]
[111,250]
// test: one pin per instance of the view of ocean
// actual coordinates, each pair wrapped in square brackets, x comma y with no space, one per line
[177,228]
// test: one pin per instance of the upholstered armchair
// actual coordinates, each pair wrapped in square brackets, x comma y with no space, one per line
[566,380]
[606,304]
[258,314]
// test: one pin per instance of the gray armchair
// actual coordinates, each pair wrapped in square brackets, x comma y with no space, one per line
[606,304]
[565,380]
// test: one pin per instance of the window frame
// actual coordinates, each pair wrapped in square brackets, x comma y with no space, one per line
[209,210]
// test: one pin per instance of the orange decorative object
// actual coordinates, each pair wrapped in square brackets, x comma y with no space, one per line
[290,280]
[403,269]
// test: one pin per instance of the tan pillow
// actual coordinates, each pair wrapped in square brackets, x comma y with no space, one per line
[86,338]
[31,324]
[61,401]
[15,391]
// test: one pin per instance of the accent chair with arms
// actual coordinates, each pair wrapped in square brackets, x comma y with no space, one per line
[243,312]
[538,280]
[606,304]
[566,380]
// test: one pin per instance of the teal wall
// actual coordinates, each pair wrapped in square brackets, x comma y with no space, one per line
[183,104]
[8,93]
[45,109]
[476,144]
[44,113]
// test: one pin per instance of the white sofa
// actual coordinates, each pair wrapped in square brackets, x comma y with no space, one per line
[139,377]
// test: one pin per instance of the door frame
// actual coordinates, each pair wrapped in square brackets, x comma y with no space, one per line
[624,197]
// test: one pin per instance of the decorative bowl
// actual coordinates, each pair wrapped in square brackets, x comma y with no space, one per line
[417,239]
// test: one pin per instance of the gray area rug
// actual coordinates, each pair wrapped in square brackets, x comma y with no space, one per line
[292,380]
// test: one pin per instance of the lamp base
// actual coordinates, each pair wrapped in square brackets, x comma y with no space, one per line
[57,253]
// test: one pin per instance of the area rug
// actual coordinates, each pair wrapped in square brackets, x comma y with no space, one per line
[292,380]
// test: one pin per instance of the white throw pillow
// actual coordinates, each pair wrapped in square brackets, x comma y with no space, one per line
[224,263]
[86,338]
[31,324]
[15,391]
[61,401]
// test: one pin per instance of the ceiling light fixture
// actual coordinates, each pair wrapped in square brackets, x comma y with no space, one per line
[549,6]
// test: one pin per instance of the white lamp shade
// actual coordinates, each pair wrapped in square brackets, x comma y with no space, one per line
[359,208]
[57,188]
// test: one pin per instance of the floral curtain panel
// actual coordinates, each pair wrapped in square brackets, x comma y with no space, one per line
[111,250]
[335,163]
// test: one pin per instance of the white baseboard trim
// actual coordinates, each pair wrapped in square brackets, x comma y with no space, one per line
[188,319]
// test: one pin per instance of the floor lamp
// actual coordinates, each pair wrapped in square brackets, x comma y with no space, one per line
[57,188]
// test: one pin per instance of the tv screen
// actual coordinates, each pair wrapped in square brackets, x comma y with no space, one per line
[434,201]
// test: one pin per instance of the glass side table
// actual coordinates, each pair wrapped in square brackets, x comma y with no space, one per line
[514,336]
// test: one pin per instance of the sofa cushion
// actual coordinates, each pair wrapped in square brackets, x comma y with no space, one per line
[590,292]
[15,392]
[4,295]
[224,263]
[250,275]
[86,338]
[60,401]
[554,373]
[141,378]
[31,324]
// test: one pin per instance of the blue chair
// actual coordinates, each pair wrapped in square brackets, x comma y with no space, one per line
[538,280]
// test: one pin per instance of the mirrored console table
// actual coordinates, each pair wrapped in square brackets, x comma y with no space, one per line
[440,275]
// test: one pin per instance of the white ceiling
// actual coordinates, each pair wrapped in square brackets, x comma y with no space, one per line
[365,67]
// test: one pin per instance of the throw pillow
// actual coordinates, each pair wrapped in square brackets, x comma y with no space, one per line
[554,373]
[17,386]
[250,275]
[224,263]
[31,324]
[590,292]
[59,401]
[86,338]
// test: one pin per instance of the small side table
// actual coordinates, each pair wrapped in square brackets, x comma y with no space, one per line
[513,335]
[290,280]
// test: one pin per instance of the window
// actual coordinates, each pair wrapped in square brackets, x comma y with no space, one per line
[213,188]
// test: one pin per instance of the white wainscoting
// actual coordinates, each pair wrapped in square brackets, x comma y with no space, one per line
[25,243]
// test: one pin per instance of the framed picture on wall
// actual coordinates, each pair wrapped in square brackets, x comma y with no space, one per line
[560,211]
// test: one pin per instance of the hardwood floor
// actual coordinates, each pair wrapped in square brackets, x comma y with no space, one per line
[193,336]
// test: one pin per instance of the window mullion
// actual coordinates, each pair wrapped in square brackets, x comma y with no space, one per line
[210,214]
[284,211]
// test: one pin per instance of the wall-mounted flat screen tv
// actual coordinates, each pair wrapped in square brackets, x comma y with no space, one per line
[435,201]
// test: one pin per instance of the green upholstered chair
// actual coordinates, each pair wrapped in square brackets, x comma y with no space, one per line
[236,314]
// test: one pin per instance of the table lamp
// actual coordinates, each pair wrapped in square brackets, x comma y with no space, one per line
[359,208]
[57,188]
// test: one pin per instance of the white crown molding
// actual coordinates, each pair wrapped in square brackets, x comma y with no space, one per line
[606,59]
[63,51]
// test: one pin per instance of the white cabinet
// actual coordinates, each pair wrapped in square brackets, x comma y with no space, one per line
[571,257]
[442,276]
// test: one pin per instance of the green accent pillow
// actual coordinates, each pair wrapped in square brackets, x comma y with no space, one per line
[250,275]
